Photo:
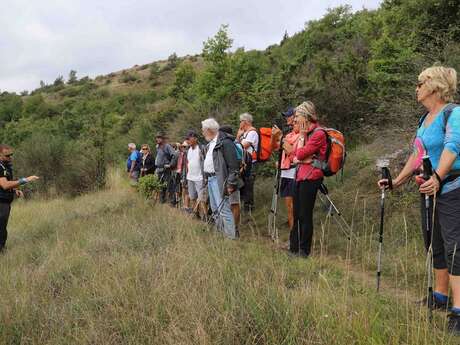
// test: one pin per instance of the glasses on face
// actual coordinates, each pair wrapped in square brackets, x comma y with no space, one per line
[9,155]
[144,149]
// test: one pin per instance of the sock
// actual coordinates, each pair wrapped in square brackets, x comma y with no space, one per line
[440,297]
[455,310]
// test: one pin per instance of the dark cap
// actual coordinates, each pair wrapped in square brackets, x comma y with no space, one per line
[191,134]
[226,129]
[289,112]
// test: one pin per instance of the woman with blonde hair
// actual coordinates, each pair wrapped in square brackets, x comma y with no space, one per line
[310,148]
[438,137]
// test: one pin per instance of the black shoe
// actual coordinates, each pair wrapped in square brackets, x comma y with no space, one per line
[436,304]
[453,324]
[237,233]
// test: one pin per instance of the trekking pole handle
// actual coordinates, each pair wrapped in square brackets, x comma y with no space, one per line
[387,176]
[427,168]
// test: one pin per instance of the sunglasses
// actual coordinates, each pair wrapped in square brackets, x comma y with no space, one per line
[144,149]
[9,156]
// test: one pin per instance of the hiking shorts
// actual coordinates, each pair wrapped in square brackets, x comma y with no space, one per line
[287,187]
[446,232]
[235,197]
[195,190]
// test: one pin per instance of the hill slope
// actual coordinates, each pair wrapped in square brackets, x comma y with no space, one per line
[108,268]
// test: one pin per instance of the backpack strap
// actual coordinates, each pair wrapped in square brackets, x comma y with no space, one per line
[447,111]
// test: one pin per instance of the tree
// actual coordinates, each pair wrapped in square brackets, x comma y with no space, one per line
[215,49]
[59,81]
[72,77]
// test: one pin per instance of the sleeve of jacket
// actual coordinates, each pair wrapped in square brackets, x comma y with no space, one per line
[312,145]
[229,152]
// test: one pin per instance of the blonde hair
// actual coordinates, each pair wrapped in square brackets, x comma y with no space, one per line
[308,110]
[440,80]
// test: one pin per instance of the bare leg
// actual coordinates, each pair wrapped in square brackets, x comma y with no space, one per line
[442,282]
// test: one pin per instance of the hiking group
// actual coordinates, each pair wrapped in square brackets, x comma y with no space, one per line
[222,173]
[224,170]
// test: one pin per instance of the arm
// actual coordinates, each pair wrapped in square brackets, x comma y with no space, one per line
[405,174]
[7,185]
[229,153]
[314,143]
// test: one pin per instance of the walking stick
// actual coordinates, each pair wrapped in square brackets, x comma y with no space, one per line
[385,175]
[427,173]
[272,229]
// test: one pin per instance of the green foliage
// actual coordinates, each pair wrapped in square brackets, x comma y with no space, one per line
[128,78]
[149,184]
[72,77]
[185,76]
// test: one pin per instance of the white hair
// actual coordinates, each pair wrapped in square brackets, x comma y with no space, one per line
[210,124]
[246,117]
[132,146]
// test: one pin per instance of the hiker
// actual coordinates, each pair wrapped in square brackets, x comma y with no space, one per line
[436,87]
[148,162]
[179,172]
[235,197]
[163,160]
[288,168]
[133,163]
[8,190]
[220,167]
[194,175]
[249,138]
[311,147]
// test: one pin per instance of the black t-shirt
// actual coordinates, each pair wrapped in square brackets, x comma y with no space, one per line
[7,172]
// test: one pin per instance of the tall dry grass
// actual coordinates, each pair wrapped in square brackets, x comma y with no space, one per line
[108,268]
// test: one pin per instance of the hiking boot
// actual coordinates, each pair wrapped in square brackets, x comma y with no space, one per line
[437,305]
[453,324]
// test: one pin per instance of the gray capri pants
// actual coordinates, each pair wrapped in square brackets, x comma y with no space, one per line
[446,232]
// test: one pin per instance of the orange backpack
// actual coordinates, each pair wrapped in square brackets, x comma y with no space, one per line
[264,151]
[335,152]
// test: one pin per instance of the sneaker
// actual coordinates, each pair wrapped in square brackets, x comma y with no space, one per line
[453,324]
[436,304]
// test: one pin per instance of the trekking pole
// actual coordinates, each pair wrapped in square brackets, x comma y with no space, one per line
[427,173]
[342,223]
[385,175]
[272,229]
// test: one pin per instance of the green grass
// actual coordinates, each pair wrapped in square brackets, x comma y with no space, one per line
[110,268]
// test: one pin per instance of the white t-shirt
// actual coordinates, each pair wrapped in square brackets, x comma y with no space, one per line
[194,166]
[289,173]
[208,161]
[252,138]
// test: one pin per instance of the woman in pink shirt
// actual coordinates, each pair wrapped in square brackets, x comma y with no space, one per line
[311,148]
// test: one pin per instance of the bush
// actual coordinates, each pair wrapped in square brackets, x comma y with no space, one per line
[128,78]
[149,184]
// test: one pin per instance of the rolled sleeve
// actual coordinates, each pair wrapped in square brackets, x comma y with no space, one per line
[452,137]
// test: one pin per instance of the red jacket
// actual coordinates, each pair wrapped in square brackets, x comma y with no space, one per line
[315,147]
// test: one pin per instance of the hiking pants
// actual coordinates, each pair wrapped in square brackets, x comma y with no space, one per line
[221,208]
[300,238]
[247,191]
[446,232]
[4,216]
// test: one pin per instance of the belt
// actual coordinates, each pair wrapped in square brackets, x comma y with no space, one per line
[209,174]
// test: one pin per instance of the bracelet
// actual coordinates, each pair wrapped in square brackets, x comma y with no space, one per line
[23,181]
[437,176]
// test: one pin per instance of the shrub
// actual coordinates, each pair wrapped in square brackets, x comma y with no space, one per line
[128,78]
[149,184]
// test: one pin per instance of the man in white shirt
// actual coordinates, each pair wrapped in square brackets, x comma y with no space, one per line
[194,166]
[249,139]
[221,169]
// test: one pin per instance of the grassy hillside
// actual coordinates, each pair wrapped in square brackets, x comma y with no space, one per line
[110,268]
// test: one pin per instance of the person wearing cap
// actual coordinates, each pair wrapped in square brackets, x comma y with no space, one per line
[249,138]
[194,174]
[288,168]
[311,145]
[163,161]
[8,190]
[148,162]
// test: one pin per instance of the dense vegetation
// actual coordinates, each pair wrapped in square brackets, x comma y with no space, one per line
[359,68]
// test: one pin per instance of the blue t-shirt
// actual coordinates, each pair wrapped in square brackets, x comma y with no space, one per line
[134,156]
[435,142]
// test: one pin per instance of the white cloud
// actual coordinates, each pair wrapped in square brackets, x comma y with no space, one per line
[43,39]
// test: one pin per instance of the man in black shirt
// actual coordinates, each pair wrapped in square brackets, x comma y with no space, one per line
[8,189]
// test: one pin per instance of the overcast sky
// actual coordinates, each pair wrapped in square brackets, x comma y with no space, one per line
[42,39]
